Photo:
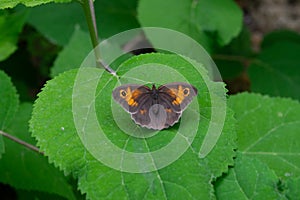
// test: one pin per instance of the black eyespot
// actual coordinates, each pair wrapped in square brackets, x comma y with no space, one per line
[123,93]
[186,91]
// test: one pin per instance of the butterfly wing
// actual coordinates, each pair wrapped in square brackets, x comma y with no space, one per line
[152,113]
[177,95]
[155,115]
[142,117]
[131,96]
[171,117]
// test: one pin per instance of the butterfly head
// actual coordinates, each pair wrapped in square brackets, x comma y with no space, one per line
[153,87]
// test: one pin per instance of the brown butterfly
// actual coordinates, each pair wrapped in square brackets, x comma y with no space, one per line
[155,108]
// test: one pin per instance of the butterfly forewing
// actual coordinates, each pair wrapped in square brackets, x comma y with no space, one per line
[179,95]
[128,96]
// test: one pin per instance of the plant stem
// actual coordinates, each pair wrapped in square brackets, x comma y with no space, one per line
[89,13]
[17,140]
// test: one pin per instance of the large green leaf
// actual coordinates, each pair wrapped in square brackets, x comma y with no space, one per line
[249,179]
[11,24]
[53,125]
[276,71]
[268,129]
[20,166]
[194,18]
[13,3]
[113,17]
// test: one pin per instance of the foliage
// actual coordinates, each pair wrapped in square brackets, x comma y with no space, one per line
[256,156]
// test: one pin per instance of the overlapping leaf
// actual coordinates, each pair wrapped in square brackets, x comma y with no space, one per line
[20,166]
[13,3]
[11,25]
[73,53]
[249,179]
[268,129]
[276,71]
[8,105]
[194,18]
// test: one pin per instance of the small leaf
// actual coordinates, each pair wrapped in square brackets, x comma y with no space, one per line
[224,17]
[192,18]
[11,25]
[73,53]
[53,125]
[268,129]
[249,179]
[29,3]
[276,72]
[20,166]
[80,48]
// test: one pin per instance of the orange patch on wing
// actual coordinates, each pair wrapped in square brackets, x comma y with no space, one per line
[142,111]
[169,110]
[136,93]
[179,95]
[129,97]
[132,102]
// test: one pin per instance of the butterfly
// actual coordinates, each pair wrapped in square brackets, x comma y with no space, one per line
[155,108]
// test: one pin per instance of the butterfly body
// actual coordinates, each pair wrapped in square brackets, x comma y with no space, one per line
[155,108]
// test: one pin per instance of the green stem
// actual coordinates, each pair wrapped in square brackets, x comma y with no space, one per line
[88,8]
[89,13]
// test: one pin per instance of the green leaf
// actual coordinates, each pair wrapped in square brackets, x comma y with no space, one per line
[231,58]
[268,129]
[249,179]
[194,18]
[80,48]
[276,72]
[29,3]
[293,185]
[280,36]
[11,24]
[53,125]
[73,53]
[2,148]
[114,17]
[20,166]
[25,195]
[224,17]
[8,104]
